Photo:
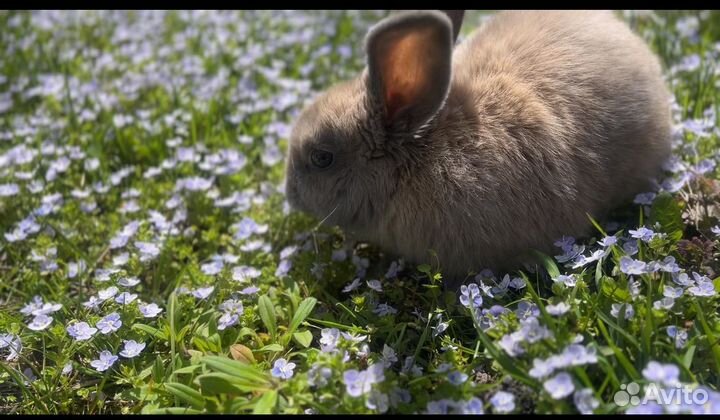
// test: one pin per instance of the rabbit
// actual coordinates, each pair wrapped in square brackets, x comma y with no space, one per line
[469,156]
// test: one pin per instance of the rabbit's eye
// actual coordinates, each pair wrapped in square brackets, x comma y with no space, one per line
[321,158]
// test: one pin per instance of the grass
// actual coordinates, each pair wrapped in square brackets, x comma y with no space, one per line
[179,121]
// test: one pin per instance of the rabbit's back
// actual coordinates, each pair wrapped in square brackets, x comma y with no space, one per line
[551,116]
[591,89]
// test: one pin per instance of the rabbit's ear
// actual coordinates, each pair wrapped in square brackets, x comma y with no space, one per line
[409,61]
[456,16]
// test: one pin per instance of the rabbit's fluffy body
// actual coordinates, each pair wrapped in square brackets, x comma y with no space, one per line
[547,117]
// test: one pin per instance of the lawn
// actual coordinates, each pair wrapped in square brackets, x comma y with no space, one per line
[150,264]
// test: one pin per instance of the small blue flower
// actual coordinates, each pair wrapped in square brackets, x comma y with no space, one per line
[132,348]
[631,266]
[40,322]
[126,298]
[503,402]
[567,280]
[542,368]
[643,233]
[150,310]
[109,323]
[680,336]
[559,386]
[81,331]
[608,241]
[375,285]
[227,320]
[104,362]
[666,374]
[558,309]
[282,369]
[203,292]
[585,401]
[616,307]
[470,296]
[473,406]
[665,303]
[457,378]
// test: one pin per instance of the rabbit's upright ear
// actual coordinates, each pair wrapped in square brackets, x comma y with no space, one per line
[409,61]
[456,16]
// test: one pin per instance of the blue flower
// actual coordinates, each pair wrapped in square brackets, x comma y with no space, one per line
[666,374]
[125,298]
[503,402]
[282,369]
[585,401]
[567,280]
[104,362]
[318,376]
[542,368]
[646,198]
[40,322]
[375,285]
[109,323]
[559,386]
[283,268]
[616,307]
[203,292]
[81,331]
[457,378]
[631,266]
[679,335]
[643,233]
[558,309]
[358,383]
[245,273]
[108,293]
[608,241]
[377,401]
[473,406]
[213,267]
[716,230]
[150,310]
[470,296]
[132,348]
[665,303]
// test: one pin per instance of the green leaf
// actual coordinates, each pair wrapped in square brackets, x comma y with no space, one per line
[267,314]
[304,310]
[185,393]
[235,368]
[712,340]
[266,403]
[546,262]
[304,338]
[173,410]
[506,362]
[187,369]
[619,329]
[424,268]
[689,355]
[216,383]
[610,288]
[270,347]
[619,354]
[666,211]
[150,330]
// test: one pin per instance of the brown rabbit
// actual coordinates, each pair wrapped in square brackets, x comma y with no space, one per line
[503,145]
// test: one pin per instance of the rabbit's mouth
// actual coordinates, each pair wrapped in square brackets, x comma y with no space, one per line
[293,198]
